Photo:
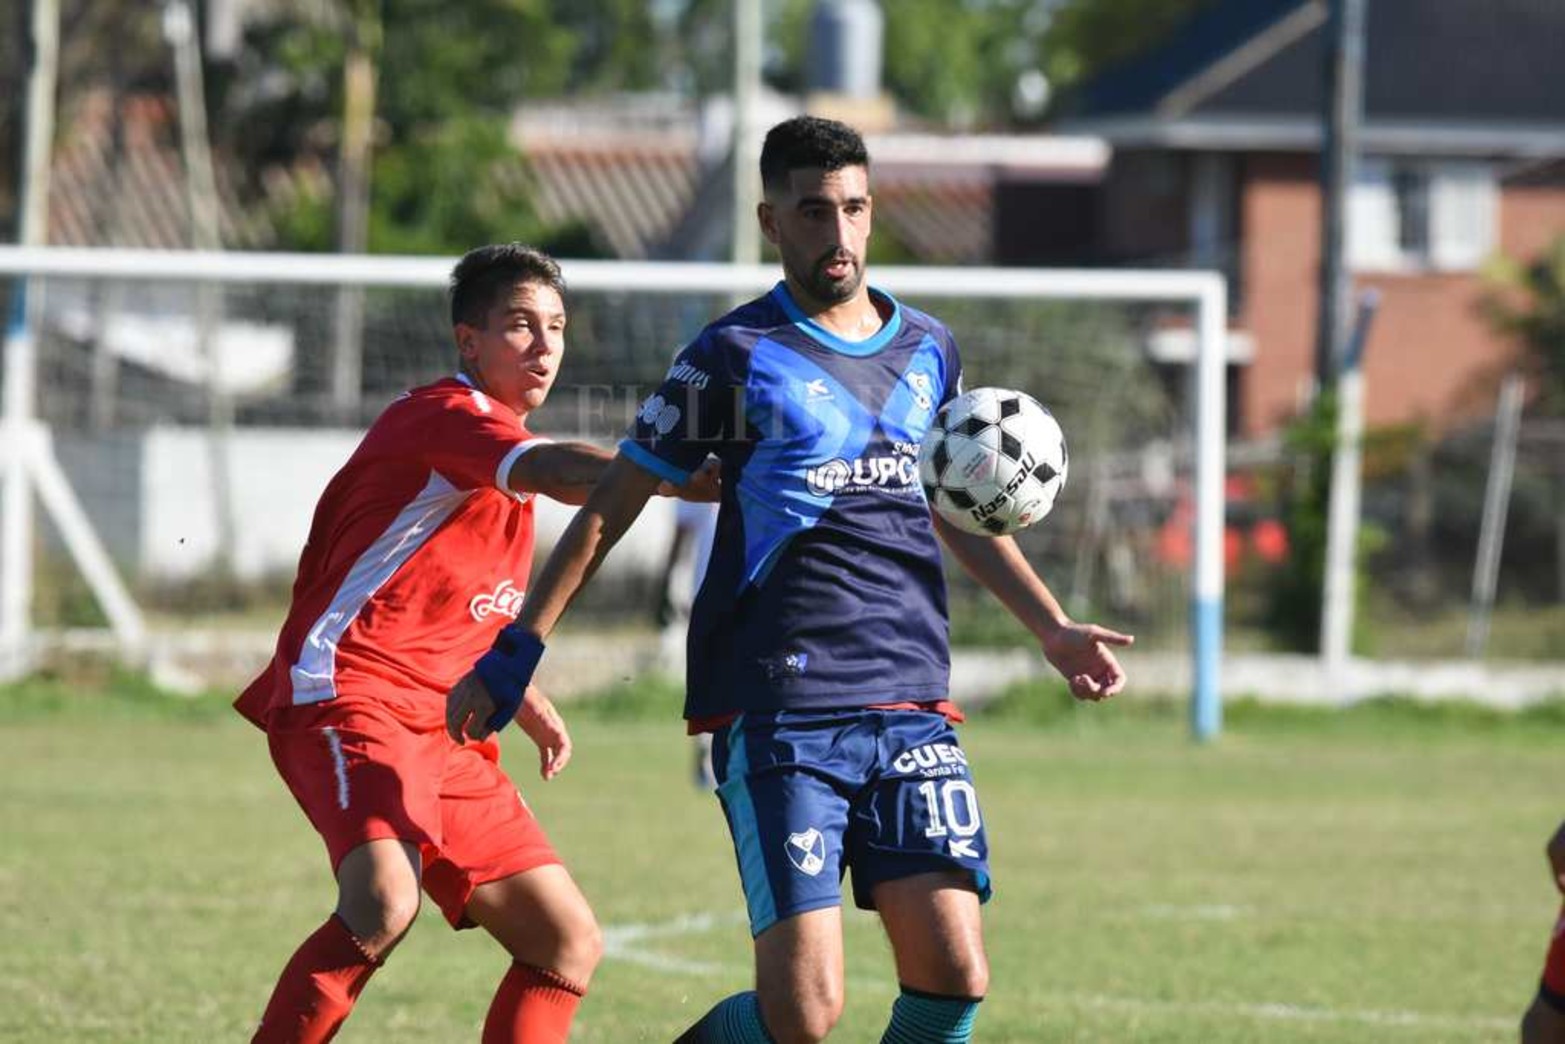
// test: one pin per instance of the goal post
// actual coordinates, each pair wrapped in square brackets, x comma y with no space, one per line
[30,463]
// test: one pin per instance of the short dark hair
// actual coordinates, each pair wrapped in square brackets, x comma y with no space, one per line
[809,141]
[487,272]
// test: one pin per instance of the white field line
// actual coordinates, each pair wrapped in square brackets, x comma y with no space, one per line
[622,942]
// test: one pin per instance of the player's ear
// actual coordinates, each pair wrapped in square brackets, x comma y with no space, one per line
[767,216]
[466,341]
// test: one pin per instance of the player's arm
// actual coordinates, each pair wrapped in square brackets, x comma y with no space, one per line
[568,471]
[500,685]
[1080,652]
[563,471]
[615,502]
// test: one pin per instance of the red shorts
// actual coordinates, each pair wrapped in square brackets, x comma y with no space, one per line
[361,775]
[1554,964]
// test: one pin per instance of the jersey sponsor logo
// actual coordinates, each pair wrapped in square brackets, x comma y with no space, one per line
[817,390]
[659,414]
[807,851]
[890,472]
[506,599]
[932,759]
[684,373]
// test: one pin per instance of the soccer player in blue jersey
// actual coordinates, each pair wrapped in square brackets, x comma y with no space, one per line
[818,651]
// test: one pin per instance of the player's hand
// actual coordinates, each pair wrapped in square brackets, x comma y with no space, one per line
[468,709]
[1556,851]
[544,726]
[1081,653]
[704,485]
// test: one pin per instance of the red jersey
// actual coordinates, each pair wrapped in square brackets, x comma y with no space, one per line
[418,554]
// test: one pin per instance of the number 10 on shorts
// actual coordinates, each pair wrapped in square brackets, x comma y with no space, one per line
[959,803]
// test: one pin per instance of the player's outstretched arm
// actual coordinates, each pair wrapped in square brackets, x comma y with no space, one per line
[568,471]
[1080,652]
[487,698]
[563,471]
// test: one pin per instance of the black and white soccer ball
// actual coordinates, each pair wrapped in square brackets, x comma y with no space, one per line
[993,461]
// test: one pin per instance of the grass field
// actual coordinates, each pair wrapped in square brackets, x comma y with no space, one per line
[1373,876]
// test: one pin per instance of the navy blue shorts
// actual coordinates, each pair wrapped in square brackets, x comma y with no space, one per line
[809,794]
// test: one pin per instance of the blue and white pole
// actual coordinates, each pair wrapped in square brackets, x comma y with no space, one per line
[1206,609]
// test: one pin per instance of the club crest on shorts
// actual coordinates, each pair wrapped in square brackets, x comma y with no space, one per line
[807,851]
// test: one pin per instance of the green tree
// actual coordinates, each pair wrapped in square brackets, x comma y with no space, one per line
[955,62]
[949,62]
[1527,301]
[449,78]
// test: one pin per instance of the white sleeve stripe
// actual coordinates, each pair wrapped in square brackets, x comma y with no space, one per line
[502,474]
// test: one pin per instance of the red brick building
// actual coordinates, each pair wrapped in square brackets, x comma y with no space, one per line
[1216,135]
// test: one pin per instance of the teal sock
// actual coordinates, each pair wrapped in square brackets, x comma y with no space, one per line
[734,1020]
[926,1018]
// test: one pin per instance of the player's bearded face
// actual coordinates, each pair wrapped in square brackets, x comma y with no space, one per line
[515,356]
[821,227]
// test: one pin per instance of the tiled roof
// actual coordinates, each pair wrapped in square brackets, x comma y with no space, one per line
[632,194]
[132,192]
[942,220]
[655,197]
[118,179]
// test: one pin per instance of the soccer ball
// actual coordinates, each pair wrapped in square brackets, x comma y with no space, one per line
[993,461]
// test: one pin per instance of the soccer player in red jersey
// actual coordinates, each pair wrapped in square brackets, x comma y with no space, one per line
[1544,1022]
[419,552]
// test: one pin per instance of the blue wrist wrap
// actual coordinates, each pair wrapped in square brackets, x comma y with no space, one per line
[507,669]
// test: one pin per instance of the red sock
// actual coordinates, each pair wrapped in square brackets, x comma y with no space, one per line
[317,989]
[532,1006]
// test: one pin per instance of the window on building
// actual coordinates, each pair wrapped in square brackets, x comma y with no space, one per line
[1410,193]
[1417,215]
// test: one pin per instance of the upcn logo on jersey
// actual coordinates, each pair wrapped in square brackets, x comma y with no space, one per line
[505,599]
[893,472]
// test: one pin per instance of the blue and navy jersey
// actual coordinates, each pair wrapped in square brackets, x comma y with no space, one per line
[825,586]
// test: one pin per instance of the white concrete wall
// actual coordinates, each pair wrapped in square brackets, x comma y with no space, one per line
[170,531]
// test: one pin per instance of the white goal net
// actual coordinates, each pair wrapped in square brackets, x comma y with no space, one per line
[176,416]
